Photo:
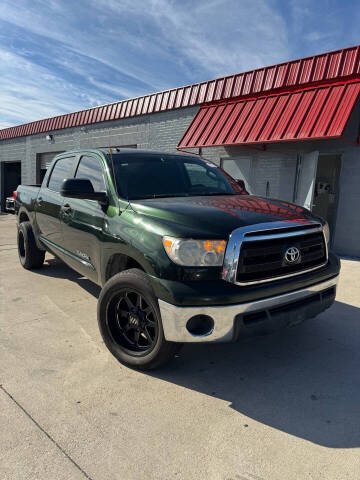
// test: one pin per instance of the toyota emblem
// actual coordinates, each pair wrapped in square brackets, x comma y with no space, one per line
[292,255]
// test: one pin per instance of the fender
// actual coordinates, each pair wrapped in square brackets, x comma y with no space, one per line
[116,247]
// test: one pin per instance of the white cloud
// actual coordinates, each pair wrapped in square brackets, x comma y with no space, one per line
[66,22]
[5,125]
[322,26]
[29,92]
[221,37]
[97,51]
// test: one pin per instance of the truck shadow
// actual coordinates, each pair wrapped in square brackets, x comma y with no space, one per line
[55,268]
[304,381]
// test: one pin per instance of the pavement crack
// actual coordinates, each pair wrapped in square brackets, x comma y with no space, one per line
[3,389]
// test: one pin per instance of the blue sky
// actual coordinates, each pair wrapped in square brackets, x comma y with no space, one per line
[58,56]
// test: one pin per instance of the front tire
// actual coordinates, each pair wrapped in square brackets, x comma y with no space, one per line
[130,322]
[30,255]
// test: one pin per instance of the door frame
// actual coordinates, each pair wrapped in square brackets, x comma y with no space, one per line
[336,207]
[300,160]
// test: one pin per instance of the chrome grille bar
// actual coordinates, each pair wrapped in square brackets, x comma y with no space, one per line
[258,233]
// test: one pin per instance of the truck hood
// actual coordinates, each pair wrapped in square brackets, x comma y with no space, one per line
[216,216]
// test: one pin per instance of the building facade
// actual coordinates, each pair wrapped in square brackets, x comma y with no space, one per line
[290,131]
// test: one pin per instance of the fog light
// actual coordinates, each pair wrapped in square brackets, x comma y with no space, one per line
[200,325]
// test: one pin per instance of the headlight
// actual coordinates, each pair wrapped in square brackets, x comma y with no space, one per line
[326,231]
[195,253]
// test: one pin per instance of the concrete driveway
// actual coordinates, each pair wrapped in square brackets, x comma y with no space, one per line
[285,406]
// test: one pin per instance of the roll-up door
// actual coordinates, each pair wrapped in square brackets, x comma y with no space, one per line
[46,158]
[43,161]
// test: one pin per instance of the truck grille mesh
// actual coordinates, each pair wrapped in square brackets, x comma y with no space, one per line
[260,260]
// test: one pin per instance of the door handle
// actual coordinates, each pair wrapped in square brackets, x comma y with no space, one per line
[66,209]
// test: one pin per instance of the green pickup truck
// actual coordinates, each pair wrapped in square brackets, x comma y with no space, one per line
[182,252]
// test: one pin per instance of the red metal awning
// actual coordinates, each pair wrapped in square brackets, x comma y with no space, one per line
[315,113]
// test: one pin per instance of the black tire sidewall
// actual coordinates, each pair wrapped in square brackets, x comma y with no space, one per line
[23,230]
[22,234]
[33,257]
[135,280]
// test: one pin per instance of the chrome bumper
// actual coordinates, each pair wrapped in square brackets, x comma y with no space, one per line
[175,318]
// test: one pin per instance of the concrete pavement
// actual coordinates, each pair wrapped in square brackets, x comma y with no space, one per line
[285,406]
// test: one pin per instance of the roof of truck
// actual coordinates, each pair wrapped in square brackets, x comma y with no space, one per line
[130,151]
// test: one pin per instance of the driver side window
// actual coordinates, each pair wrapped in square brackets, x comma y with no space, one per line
[90,169]
[64,168]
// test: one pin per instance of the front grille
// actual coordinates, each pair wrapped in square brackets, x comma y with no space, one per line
[261,260]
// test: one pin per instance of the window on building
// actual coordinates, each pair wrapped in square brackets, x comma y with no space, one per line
[90,168]
[63,169]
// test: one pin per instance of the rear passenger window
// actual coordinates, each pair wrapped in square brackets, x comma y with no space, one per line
[64,168]
[90,168]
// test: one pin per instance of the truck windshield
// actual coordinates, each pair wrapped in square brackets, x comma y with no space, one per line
[141,176]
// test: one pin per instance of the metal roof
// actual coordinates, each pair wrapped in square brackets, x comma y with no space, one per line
[320,112]
[326,67]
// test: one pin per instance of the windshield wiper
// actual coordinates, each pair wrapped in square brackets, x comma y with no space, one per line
[171,195]
[208,194]
[160,195]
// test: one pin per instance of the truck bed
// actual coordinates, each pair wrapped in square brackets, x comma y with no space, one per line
[26,196]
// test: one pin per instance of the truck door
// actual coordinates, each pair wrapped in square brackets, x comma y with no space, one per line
[82,221]
[49,200]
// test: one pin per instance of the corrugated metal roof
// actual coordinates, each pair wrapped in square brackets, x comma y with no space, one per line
[320,112]
[326,67]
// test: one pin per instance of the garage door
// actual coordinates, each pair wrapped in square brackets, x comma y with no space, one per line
[43,162]
[45,159]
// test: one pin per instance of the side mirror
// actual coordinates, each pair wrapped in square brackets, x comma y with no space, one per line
[82,188]
[241,184]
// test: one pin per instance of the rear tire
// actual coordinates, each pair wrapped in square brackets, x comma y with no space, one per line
[130,322]
[30,255]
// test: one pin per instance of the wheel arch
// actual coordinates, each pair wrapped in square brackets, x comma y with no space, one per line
[118,262]
[23,216]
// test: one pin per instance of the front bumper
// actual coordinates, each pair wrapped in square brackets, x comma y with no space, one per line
[251,318]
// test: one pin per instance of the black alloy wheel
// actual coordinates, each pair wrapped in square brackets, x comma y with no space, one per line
[132,322]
